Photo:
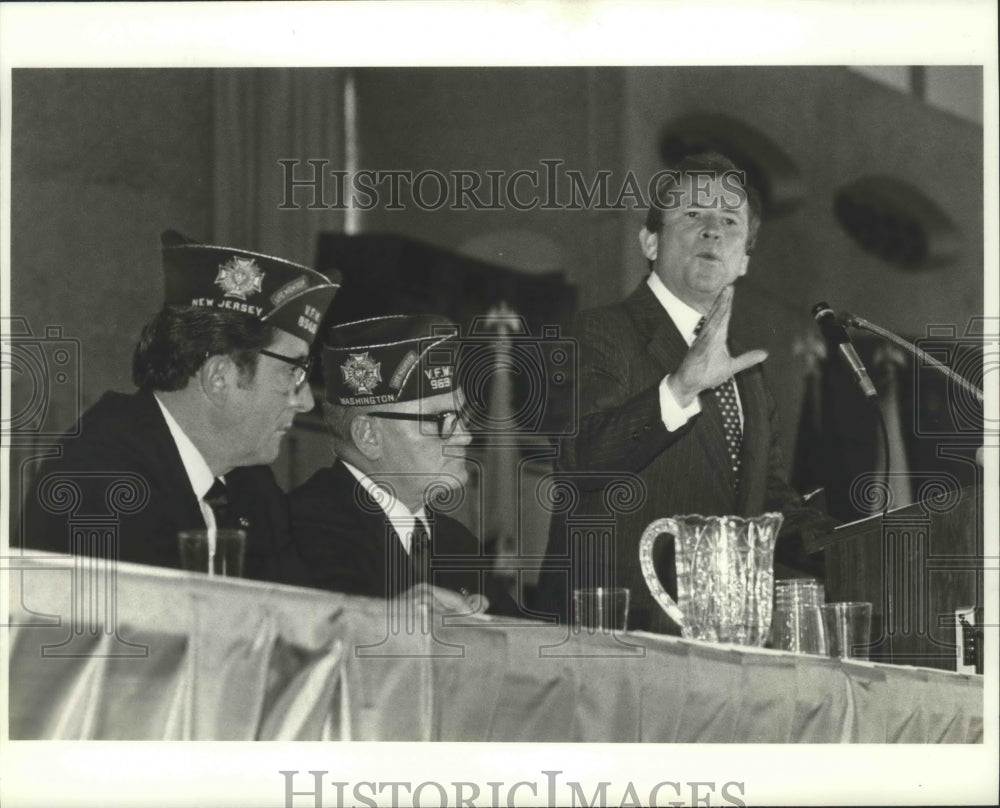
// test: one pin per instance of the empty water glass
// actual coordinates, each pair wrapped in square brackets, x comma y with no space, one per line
[848,628]
[797,622]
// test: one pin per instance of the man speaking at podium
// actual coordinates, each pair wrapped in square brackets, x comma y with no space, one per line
[222,371]
[664,394]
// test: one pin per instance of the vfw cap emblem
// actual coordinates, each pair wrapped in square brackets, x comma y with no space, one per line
[361,373]
[238,277]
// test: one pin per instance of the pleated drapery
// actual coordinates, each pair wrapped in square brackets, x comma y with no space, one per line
[190,657]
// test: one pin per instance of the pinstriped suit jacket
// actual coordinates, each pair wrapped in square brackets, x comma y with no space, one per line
[625,351]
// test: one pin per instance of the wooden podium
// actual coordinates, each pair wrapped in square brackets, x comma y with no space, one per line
[916,565]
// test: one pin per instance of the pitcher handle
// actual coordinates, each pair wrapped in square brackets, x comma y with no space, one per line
[649,537]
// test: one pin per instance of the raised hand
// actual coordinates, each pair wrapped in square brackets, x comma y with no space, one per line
[708,363]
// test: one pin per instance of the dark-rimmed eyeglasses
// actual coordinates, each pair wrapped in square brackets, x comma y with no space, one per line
[302,366]
[447,420]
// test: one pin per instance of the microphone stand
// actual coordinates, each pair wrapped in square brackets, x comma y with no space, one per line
[853,321]
[859,322]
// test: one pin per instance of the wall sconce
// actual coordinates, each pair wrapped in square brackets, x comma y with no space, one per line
[769,169]
[896,222]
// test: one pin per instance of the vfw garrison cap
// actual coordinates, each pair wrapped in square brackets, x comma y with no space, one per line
[387,360]
[281,293]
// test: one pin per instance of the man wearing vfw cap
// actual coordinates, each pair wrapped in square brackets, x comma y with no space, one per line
[221,371]
[367,525]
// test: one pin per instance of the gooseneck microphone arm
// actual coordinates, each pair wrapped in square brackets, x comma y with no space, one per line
[836,335]
[852,321]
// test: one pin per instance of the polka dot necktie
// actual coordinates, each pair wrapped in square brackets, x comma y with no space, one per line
[725,395]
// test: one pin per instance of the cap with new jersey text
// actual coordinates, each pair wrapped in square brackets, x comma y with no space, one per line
[281,293]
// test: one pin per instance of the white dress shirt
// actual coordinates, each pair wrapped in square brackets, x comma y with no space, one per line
[686,319]
[198,472]
[403,520]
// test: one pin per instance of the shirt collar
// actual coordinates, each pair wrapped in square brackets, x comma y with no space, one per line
[684,317]
[198,472]
[402,518]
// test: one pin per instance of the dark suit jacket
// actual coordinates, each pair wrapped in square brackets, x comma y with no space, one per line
[129,478]
[342,541]
[625,351]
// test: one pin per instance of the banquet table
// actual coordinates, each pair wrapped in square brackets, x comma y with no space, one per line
[126,652]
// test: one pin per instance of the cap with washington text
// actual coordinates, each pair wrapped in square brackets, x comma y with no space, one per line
[387,360]
[281,293]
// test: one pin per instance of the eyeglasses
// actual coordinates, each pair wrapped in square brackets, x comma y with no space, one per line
[302,366]
[447,421]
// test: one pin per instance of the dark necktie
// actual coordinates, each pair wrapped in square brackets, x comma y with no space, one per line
[725,395]
[420,552]
[217,499]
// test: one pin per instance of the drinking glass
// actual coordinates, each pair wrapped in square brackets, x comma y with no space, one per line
[604,608]
[215,552]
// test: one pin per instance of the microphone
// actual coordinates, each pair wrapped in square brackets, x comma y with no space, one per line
[836,334]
